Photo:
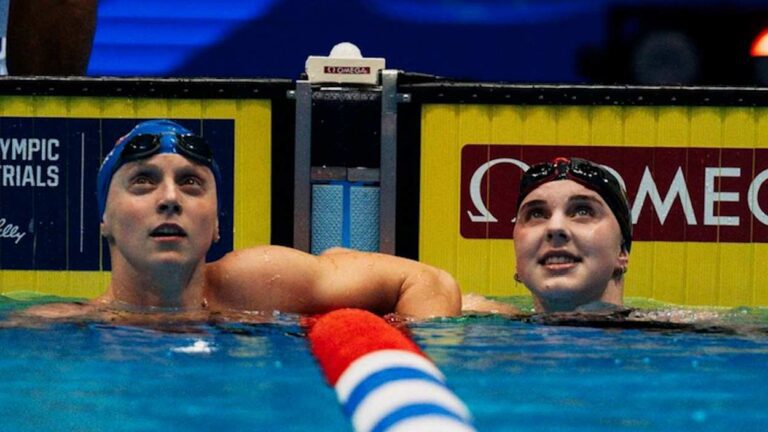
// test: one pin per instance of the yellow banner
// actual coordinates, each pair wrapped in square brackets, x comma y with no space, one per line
[705,271]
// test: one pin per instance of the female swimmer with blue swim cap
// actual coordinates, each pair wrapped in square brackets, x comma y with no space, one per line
[573,234]
[158,193]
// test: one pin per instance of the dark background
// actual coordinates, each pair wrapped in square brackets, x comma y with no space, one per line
[693,42]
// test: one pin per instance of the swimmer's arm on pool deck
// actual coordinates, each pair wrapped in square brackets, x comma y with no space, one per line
[279,278]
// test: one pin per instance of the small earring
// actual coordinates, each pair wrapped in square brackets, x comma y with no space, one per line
[619,271]
[517,277]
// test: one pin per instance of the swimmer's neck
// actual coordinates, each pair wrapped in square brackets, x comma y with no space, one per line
[612,295]
[163,286]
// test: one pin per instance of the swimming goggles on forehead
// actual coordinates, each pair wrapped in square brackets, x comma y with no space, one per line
[587,174]
[144,145]
[580,170]
[137,146]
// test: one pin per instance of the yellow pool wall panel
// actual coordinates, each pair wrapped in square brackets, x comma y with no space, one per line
[686,273]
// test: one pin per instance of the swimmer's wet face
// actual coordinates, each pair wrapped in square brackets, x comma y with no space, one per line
[161,210]
[568,246]
[158,191]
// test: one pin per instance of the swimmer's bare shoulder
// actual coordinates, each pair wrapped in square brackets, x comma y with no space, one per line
[56,311]
[97,309]
[176,320]
[37,315]
[258,278]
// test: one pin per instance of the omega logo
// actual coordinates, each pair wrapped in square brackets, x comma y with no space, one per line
[684,194]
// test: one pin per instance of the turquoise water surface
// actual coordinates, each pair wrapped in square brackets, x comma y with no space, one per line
[515,375]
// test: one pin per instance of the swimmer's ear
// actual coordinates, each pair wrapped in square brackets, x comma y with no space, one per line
[216,235]
[103,228]
[106,231]
[622,263]
[624,256]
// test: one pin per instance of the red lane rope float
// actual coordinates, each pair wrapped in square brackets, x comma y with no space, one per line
[383,381]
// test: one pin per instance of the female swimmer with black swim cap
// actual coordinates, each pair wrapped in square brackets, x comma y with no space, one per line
[573,234]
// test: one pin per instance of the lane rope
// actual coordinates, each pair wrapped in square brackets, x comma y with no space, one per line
[383,381]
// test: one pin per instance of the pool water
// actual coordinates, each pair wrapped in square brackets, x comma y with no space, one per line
[517,376]
[513,375]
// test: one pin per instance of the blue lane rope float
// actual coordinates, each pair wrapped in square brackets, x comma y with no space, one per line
[383,381]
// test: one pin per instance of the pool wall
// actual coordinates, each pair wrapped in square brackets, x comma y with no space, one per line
[694,161]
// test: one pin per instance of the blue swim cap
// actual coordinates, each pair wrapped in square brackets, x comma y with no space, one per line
[148,139]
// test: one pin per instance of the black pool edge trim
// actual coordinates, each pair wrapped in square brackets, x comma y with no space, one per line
[422,89]
[164,88]
[519,94]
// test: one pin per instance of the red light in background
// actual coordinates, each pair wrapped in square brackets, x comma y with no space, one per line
[760,45]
